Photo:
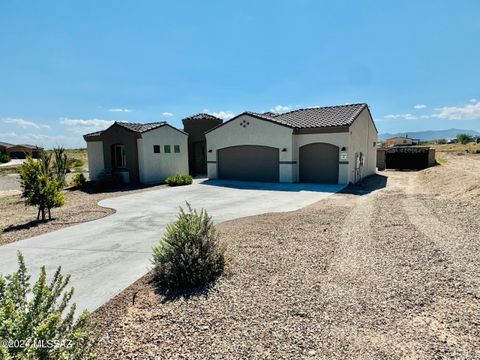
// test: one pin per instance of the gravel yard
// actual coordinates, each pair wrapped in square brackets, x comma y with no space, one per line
[19,221]
[391,273]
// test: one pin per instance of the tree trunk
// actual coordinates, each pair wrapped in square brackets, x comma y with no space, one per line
[38,214]
[49,214]
[43,214]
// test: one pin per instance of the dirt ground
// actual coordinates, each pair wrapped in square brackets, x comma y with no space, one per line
[18,221]
[388,270]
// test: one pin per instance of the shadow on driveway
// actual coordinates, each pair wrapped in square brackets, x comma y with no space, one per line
[266,186]
[366,186]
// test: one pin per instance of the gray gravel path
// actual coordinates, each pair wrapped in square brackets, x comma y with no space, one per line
[392,274]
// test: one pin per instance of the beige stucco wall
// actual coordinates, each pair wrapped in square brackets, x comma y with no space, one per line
[258,132]
[337,139]
[363,137]
[156,167]
[360,138]
[95,159]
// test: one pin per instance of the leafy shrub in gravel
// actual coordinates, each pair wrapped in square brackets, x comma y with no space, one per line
[32,320]
[79,180]
[4,158]
[189,254]
[179,179]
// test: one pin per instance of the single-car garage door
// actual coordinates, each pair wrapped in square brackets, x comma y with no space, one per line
[248,163]
[319,163]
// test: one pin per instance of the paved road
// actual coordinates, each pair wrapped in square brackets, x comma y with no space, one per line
[106,255]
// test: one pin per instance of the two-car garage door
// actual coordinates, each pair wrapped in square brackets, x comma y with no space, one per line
[248,163]
[318,163]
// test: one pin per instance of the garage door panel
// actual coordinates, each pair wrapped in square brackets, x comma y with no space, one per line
[319,163]
[248,163]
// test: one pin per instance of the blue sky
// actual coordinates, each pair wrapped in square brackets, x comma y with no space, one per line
[71,67]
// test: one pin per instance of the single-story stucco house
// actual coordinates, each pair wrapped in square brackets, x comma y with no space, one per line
[146,153]
[20,151]
[400,141]
[335,144]
[196,126]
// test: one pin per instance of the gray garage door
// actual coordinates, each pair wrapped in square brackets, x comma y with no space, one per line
[319,163]
[248,163]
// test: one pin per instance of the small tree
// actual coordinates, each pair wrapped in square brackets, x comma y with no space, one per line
[464,138]
[32,320]
[189,253]
[39,186]
[4,157]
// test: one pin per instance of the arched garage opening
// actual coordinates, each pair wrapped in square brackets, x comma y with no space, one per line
[248,163]
[319,163]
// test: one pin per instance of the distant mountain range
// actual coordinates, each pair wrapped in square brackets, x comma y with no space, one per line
[430,134]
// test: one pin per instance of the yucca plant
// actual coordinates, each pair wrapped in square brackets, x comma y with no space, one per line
[34,320]
[60,167]
[189,253]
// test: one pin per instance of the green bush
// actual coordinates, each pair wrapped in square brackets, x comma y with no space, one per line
[4,158]
[78,180]
[39,186]
[34,320]
[189,254]
[108,179]
[179,179]
[464,138]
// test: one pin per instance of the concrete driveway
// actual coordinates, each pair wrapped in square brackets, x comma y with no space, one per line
[107,255]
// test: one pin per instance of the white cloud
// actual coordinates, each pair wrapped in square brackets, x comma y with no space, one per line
[84,126]
[225,115]
[24,124]
[468,111]
[280,108]
[473,100]
[83,123]
[420,106]
[401,116]
[166,113]
[9,135]
[120,110]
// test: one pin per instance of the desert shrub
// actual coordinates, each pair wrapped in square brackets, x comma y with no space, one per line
[39,186]
[73,163]
[179,179]
[4,158]
[189,254]
[108,179]
[464,138]
[79,180]
[35,322]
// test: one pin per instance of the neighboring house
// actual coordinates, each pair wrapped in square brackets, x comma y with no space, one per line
[335,144]
[20,151]
[146,153]
[196,126]
[400,140]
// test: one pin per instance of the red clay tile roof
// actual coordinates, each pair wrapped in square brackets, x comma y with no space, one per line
[202,116]
[141,128]
[136,127]
[328,116]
